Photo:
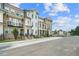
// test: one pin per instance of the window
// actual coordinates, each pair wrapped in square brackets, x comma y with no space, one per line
[1,17]
[10,19]
[32,32]
[7,8]
[0,5]
[40,24]
[27,14]
[27,31]
[17,14]
[9,30]
[28,22]
[32,15]
[6,31]
[12,10]
[45,26]
[36,24]
[36,17]
[35,32]
[21,14]
[32,24]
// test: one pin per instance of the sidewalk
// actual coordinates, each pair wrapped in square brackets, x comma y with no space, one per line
[15,44]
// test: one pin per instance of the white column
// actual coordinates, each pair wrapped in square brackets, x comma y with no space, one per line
[1,23]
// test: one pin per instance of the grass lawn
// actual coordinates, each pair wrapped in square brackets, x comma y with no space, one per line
[12,40]
[2,41]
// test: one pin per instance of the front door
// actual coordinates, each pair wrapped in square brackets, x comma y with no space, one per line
[27,31]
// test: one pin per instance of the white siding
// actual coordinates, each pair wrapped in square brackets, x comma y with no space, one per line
[28,25]
[34,19]
[28,22]
[1,17]
[0,5]
[7,8]
[12,10]
[1,21]
[29,14]
[1,29]
[26,28]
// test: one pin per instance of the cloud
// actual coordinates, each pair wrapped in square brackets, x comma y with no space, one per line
[77,21]
[16,4]
[37,5]
[47,6]
[77,18]
[61,8]
[52,14]
[54,8]
[61,21]
[65,23]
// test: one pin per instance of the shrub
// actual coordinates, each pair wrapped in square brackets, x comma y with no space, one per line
[15,33]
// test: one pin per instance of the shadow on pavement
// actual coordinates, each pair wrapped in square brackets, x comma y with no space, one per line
[4,46]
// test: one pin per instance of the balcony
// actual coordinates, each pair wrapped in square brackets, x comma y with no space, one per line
[29,24]
[9,23]
[12,14]
[20,25]
[12,24]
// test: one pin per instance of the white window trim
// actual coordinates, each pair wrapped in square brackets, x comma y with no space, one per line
[7,8]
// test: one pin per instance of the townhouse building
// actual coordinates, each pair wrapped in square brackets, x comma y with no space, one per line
[27,25]
[45,27]
[27,22]
[48,26]
[40,27]
[13,17]
[33,15]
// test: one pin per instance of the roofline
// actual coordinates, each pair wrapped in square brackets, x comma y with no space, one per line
[32,10]
[15,7]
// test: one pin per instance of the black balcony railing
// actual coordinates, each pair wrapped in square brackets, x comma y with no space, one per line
[10,23]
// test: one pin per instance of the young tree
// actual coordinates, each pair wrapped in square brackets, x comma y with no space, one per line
[15,33]
[77,30]
[72,32]
[55,32]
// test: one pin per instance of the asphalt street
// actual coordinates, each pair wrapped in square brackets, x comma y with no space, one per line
[66,46]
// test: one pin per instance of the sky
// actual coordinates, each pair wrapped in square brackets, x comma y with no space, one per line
[65,16]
